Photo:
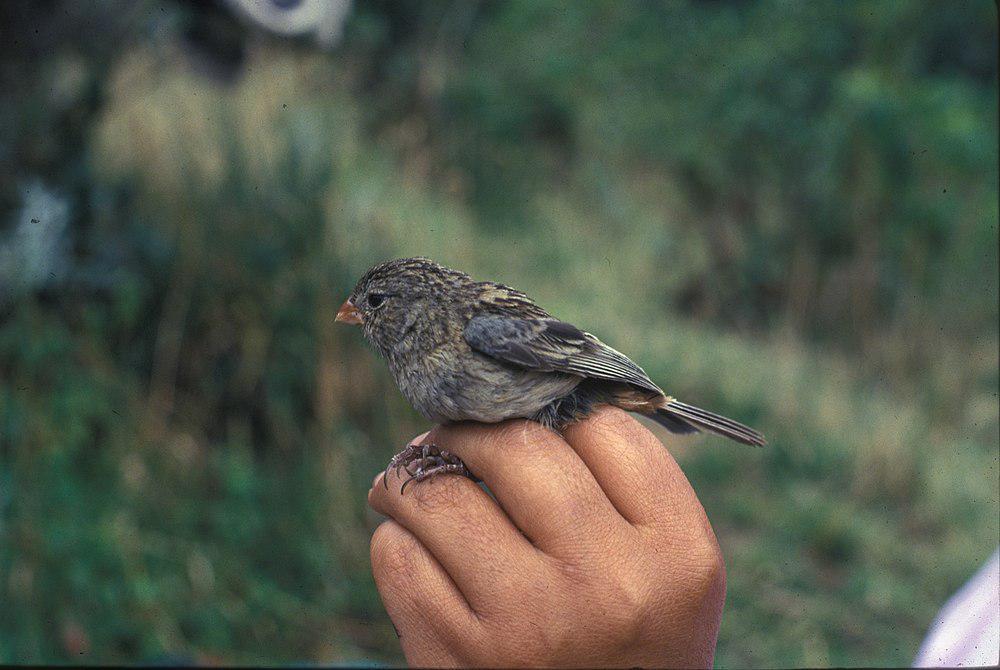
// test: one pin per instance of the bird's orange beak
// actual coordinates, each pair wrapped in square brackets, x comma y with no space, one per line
[348,313]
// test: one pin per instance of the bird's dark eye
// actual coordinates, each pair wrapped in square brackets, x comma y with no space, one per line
[375,300]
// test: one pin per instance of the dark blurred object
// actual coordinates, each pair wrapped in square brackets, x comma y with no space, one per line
[216,38]
[53,55]
[216,30]
[321,20]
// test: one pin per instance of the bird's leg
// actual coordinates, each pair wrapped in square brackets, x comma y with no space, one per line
[422,461]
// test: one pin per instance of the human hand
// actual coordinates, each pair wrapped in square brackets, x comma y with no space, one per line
[596,551]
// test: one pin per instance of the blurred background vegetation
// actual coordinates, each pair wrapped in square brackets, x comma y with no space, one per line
[784,211]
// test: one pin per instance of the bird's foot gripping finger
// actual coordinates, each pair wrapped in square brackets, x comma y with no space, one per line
[422,461]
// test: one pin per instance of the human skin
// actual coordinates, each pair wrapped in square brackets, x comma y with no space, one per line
[595,552]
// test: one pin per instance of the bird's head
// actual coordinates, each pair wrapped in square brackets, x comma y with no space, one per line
[398,296]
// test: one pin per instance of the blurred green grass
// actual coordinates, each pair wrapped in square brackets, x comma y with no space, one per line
[187,438]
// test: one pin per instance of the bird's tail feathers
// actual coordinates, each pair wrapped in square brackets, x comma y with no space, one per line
[679,417]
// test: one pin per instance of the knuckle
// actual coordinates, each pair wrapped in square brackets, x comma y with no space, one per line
[392,552]
[621,588]
[439,494]
[629,593]
[695,557]
[709,566]
[553,640]
[533,636]
[700,573]
[704,547]
[543,640]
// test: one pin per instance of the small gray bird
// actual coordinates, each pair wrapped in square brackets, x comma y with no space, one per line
[464,350]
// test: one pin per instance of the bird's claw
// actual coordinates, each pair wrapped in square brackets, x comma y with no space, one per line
[423,461]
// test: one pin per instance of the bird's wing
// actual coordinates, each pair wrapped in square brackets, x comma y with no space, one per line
[549,345]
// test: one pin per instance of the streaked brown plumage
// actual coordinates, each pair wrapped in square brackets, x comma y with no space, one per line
[461,349]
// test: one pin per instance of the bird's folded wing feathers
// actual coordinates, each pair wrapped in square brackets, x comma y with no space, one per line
[552,345]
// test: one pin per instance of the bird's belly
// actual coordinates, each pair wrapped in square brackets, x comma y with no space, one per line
[521,395]
[483,392]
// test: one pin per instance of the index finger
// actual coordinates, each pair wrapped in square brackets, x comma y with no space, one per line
[637,473]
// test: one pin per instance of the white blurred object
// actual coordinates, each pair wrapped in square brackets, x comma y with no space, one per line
[36,252]
[323,19]
[966,632]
